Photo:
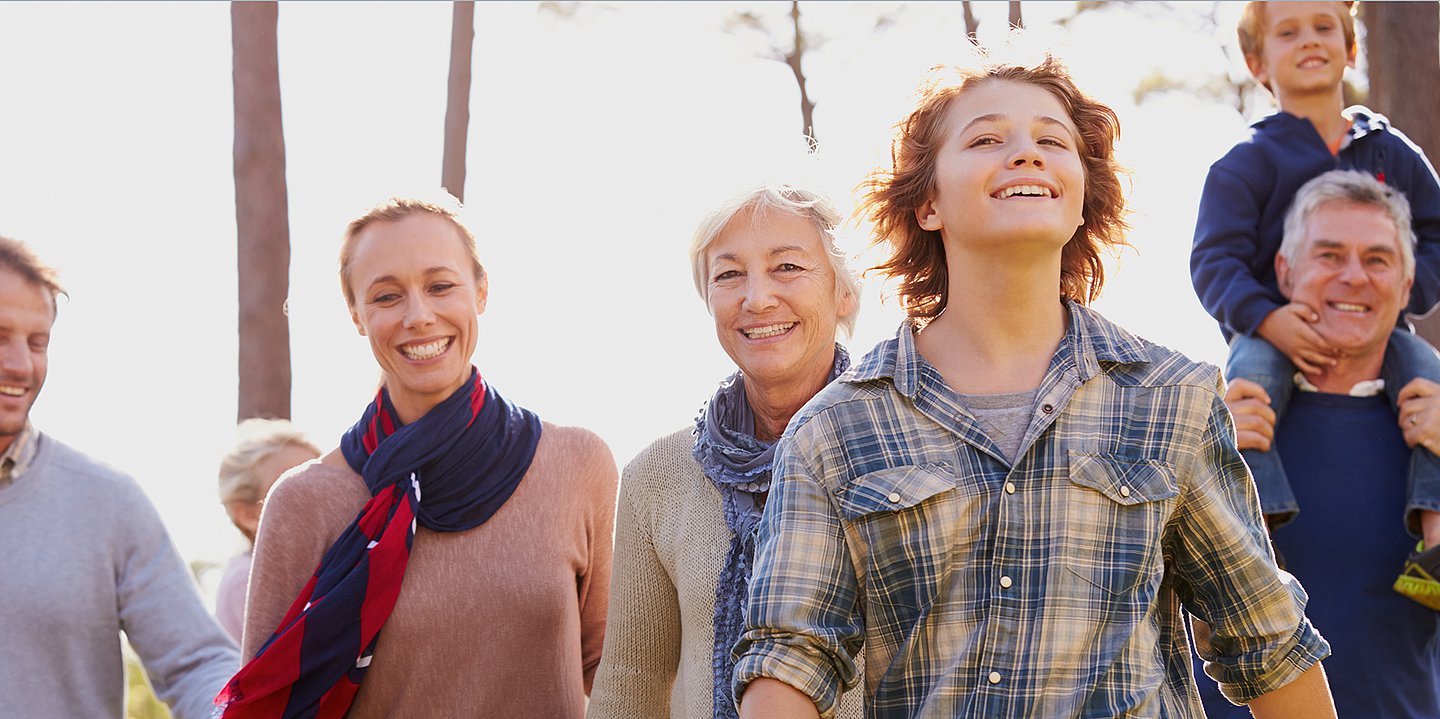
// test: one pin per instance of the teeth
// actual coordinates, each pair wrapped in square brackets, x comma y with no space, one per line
[12,390]
[757,333]
[1347,307]
[1024,190]
[426,351]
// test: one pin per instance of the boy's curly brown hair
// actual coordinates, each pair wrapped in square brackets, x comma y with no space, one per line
[892,195]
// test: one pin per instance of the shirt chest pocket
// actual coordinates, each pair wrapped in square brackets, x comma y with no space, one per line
[902,525]
[1115,516]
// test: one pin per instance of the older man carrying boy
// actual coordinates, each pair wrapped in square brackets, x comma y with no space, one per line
[1348,245]
[1299,51]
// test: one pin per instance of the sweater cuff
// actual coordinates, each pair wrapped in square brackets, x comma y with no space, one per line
[1246,318]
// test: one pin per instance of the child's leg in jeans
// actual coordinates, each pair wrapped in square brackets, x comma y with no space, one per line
[1406,357]
[1258,361]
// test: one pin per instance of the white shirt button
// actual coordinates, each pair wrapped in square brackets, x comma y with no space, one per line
[994,677]
[1009,487]
[1124,491]
[894,497]
[1005,582]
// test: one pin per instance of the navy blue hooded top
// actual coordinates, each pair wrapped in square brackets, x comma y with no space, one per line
[1242,210]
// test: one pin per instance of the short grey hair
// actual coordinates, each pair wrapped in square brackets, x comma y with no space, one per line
[259,438]
[1354,187]
[759,201]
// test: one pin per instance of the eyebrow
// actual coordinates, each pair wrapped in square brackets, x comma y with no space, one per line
[392,278]
[1322,243]
[782,250]
[997,117]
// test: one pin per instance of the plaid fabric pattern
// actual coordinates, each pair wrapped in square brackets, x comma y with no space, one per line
[18,455]
[1052,587]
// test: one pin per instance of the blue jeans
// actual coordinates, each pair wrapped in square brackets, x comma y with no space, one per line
[1407,356]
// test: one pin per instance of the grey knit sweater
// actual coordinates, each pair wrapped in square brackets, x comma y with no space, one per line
[83,555]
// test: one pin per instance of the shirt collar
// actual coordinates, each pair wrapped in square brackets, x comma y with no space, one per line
[17,457]
[1363,388]
[1091,340]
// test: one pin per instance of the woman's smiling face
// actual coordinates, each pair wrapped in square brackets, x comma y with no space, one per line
[416,300]
[772,291]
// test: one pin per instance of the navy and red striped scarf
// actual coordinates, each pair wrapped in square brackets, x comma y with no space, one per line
[450,470]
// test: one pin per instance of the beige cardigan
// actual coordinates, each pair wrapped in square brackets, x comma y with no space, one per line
[670,545]
[503,620]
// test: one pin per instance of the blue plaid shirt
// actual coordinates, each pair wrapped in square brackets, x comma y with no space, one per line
[1051,587]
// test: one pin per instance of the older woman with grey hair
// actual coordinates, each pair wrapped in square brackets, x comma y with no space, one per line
[766,264]
[266,449]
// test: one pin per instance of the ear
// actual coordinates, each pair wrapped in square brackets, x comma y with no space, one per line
[1350,55]
[1257,68]
[847,304]
[1282,275]
[245,516]
[926,216]
[482,293]
[355,317]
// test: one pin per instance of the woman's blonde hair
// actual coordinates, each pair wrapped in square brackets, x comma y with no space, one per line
[761,200]
[393,210]
[259,438]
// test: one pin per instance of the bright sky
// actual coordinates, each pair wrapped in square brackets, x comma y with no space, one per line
[597,141]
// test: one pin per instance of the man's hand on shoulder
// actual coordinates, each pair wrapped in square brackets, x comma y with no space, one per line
[1291,329]
[1419,404]
[1254,419]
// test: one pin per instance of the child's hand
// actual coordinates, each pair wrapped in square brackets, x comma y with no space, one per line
[1254,419]
[1289,329]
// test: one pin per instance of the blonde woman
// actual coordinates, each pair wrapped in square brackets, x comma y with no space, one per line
[266,449]
[766,265]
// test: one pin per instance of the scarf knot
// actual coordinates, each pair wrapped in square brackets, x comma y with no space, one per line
[466,456]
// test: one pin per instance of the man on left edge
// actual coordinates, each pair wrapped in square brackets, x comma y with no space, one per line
[83,554]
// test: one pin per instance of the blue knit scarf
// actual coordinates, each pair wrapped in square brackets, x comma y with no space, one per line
[739,465]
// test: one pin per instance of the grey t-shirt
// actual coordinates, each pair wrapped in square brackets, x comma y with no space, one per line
[1005,417]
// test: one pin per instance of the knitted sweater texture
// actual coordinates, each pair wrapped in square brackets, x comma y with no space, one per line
[503,620]
[670,545]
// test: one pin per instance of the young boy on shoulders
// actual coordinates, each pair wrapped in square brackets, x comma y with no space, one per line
[1299,52]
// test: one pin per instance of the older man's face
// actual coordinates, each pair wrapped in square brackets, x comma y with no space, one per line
[1348,269]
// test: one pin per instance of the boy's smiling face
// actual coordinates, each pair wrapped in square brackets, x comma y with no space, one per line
[1304,51]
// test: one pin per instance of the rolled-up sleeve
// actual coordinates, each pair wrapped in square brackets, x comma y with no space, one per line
[803,619]
[1258,637]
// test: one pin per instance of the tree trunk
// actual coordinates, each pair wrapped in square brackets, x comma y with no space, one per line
[1015,19]
[793,59]
[457,100]
[972,24]
[262,226]
[1403,50]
